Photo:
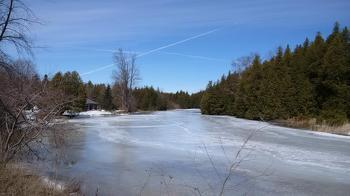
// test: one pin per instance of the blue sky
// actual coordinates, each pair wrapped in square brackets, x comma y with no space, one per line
[192,41]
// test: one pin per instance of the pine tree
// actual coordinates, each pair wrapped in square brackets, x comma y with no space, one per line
[213,100]
[71,85]
[276,87]
[57,80]
[230,89]
[303,100]
[248,99]
[313,62]
[107,99]
[89,89]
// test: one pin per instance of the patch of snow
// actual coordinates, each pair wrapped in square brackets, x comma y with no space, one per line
[120,111]
[59,186]
[95,113]
[69,113]
[30,114]
[331,134]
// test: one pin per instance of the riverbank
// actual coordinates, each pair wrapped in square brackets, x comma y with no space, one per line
[15,180]
[311,124]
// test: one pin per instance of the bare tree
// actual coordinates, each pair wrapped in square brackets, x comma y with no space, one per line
[125,78]
[15,20]
[240,64]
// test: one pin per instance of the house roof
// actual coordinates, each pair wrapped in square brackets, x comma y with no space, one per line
[89,101]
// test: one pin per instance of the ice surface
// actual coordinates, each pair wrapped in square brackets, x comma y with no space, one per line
[121,153]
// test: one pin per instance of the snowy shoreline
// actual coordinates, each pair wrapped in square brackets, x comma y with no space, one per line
[92,113]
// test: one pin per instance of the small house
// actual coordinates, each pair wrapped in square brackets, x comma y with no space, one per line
[92,105]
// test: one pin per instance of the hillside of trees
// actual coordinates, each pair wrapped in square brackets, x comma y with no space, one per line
[310,81]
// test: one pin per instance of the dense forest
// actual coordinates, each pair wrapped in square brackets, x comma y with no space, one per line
[310,81]
[143,98]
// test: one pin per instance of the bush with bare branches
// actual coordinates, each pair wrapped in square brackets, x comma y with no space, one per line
[27,108]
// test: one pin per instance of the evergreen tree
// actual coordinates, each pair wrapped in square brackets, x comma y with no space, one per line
[302,97]
[89,89]
[107,99]
[311,81]
[57,80]
[71,85]
[248,100]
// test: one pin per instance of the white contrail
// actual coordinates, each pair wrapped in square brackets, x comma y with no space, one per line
[154,50]
[177,43]
[98,69]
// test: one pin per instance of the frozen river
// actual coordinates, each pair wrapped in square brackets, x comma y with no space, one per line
[185,153]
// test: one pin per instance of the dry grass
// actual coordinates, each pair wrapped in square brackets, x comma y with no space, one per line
[312,124]
[17,181]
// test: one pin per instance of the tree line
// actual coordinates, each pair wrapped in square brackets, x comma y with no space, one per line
[148,98]
[310,81]
[109,96]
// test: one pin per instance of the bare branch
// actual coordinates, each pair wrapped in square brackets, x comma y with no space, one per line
[15,21]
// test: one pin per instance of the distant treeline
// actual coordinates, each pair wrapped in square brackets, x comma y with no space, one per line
[144,98]
[310,81]
[147,98]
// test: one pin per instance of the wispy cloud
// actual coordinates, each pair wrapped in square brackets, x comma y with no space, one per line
[100,50]
[195,56]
